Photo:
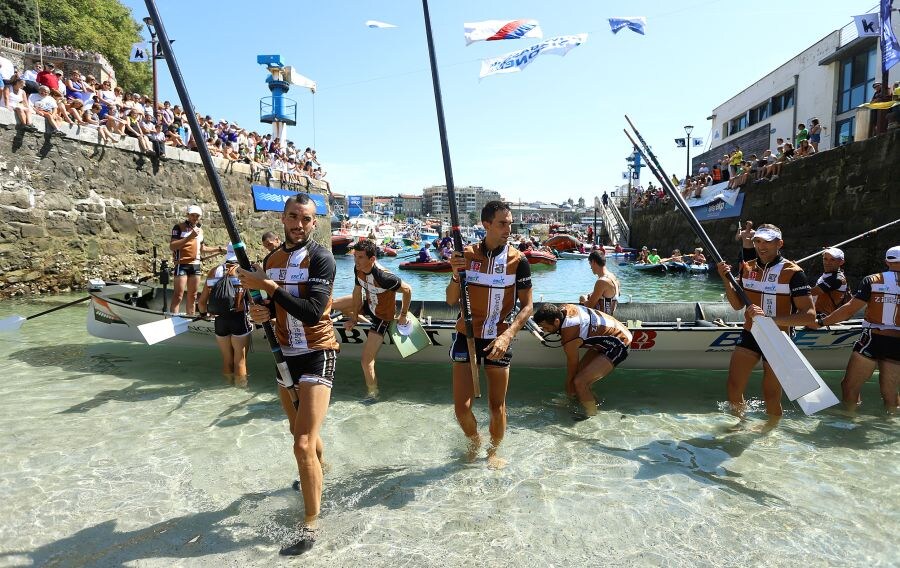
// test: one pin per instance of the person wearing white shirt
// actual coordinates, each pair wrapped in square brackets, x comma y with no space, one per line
[45,106]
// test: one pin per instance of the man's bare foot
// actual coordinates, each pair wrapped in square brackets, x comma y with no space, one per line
[472,448]
[494,461]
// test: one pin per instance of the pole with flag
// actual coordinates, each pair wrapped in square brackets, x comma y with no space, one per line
[890,56]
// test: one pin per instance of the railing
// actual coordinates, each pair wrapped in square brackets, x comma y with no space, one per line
[622,225]
[615,226]
[57,53]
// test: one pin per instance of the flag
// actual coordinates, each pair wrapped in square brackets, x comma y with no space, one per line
[867,25]
[624,175]
[517,60]
[890,49]
[680,143]
[696,142]
[633,23]
[377,24]
[493,30]
[140,52]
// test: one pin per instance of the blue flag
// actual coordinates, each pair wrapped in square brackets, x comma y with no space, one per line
[635,24]
[890,49]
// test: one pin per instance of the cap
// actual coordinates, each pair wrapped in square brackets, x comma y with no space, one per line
[835,252]
[194,209]
[767,234]
[229,253]
[893,254]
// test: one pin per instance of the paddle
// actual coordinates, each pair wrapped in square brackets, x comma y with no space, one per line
[866,234]
[14,322]
[464,300]
[212,175]
[797,377]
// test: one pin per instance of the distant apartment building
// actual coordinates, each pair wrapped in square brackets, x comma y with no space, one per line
[469,199]
[408,205]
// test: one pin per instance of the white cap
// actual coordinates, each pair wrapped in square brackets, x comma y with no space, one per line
[229,253]
[893,254]
[835,252]
[194,209]
[767,234]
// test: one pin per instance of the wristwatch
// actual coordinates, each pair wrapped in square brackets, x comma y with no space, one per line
[820,319]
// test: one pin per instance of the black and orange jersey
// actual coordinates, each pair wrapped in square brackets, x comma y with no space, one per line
[494,277]
[302,302]
[219,272]
[830,292]
[381,288]
[774,286]
[587,324]
[190,252]
[881,292]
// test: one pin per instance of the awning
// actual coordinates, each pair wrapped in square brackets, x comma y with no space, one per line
[857,45]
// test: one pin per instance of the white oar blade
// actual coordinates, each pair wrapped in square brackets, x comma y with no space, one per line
[157,331]
[793,371]
[12,323]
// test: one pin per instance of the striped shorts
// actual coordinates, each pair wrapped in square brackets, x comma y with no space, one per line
[316,367]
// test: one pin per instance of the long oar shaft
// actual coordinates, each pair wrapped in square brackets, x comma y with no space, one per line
[464,299]
[51,310]
[866,234]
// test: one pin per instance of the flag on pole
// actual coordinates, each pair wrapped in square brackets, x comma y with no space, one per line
[493,30]
[680,143]
[517,60]
[890,49]
[624,175]
[696,142]
[633,23]
[377,24]
[867,25]
[140,53]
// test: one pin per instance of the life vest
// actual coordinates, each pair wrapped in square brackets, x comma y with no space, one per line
[882,310]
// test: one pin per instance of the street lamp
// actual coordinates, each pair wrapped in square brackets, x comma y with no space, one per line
[149,23]
[687,144]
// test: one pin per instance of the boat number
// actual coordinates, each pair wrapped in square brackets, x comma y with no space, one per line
[643,340]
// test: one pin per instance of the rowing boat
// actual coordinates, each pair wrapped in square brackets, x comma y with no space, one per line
[657,268]
[540,257]
[667,335]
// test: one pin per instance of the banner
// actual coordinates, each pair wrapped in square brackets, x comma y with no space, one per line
[634,23]
[140,52]
[867,25]
[890,49]
[680,143]
[272,199]
[493,30]
[517,60]
[712,193]
[354,205]
[696,142]
[719,210]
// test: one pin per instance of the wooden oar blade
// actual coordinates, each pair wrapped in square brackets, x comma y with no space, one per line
[12,323]
[160,330]
[796,376]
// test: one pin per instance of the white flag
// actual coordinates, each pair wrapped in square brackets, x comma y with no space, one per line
[517,60]
[492,30]
[867,25]
[697,142]
[140,52]
[377,24]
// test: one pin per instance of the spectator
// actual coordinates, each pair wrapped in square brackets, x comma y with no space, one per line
[815,134]
[45,106]
[805,149]
[802,134]
[48,78]
[30,77]
[734,161]
[704,169]
[91,119]
[16,99]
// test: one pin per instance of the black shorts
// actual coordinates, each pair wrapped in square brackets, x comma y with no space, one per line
[876,346]
[459,352]
[187,270]
[232,323]
[379,325]
[747,341]
[316,367]
[610,347]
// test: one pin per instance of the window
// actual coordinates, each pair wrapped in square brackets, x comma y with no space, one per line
[843,131]
[857,78]
[760,113]
[782,102]
[737,124]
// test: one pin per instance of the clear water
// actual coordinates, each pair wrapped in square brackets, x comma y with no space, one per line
[124,455]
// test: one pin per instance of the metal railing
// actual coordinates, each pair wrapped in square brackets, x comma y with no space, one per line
[615,224]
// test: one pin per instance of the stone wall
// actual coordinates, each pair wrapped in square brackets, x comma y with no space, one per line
[817,201]
[72,209]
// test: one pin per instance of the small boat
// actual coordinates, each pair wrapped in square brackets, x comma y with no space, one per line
[340,243]
[433,266]
[666,335]
[573,255]
[698,268]
[650,268]
[562,242]
[540,257]
[388,251]
[675,267]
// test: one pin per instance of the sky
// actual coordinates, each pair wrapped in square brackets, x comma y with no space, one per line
[550,132]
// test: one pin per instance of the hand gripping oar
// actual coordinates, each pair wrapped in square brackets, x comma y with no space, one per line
[797,377]
[216,184]
[866,234]
[12,323]
[451,196]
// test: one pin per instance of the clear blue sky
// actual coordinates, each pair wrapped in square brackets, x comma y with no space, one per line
[549,132]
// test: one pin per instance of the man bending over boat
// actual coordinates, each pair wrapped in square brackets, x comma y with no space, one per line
[777,288]
[879,345]
[497,275]
[187,247]
[380,288]
[298,278]
[605,296]
[605,338]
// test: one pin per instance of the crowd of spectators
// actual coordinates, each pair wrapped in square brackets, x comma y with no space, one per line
[651,196]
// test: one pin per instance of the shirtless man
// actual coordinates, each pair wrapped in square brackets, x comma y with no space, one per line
[605,296]
[270,241]
[698,257]
[187,247]
[745,236]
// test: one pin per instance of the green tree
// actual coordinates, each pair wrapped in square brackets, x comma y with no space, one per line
[18,20]
[106,26]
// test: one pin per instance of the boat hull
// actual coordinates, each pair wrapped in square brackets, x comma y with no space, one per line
[538,257]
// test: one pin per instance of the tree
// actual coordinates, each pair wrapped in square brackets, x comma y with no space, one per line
[581,202]
[106,26]
[18,20]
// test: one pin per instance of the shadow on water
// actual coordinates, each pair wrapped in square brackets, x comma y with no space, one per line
[390,487]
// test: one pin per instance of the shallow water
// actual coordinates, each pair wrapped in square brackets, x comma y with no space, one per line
[122,455]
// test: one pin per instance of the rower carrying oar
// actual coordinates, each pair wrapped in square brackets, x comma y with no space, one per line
[14,322]
[842,243]
[800,381]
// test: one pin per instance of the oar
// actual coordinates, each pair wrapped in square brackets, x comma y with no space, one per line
[464,300]
[797,377]
[866,234]
[163,329]
[216,184]
[12,323]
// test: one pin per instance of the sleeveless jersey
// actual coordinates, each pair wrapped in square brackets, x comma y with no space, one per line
[493,278]
[381,288]
[189,253]
[217,273]
[291,270]
[586,324]
[772,287]
[834,294]
[881,292]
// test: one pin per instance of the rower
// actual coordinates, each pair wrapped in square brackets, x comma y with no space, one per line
[643,256]
[497,275]
[605,338]
[830,291]
[698,257]
[187,247]
[653,257]
[605,296]
[745,236]
[424,254]
[777,288]
[380,287]
[676,257]
[879,345]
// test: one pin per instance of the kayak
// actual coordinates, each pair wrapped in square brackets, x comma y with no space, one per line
[562,242]
[540,257]
[673,266]
[650,268]
[388,251]
[433,266]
